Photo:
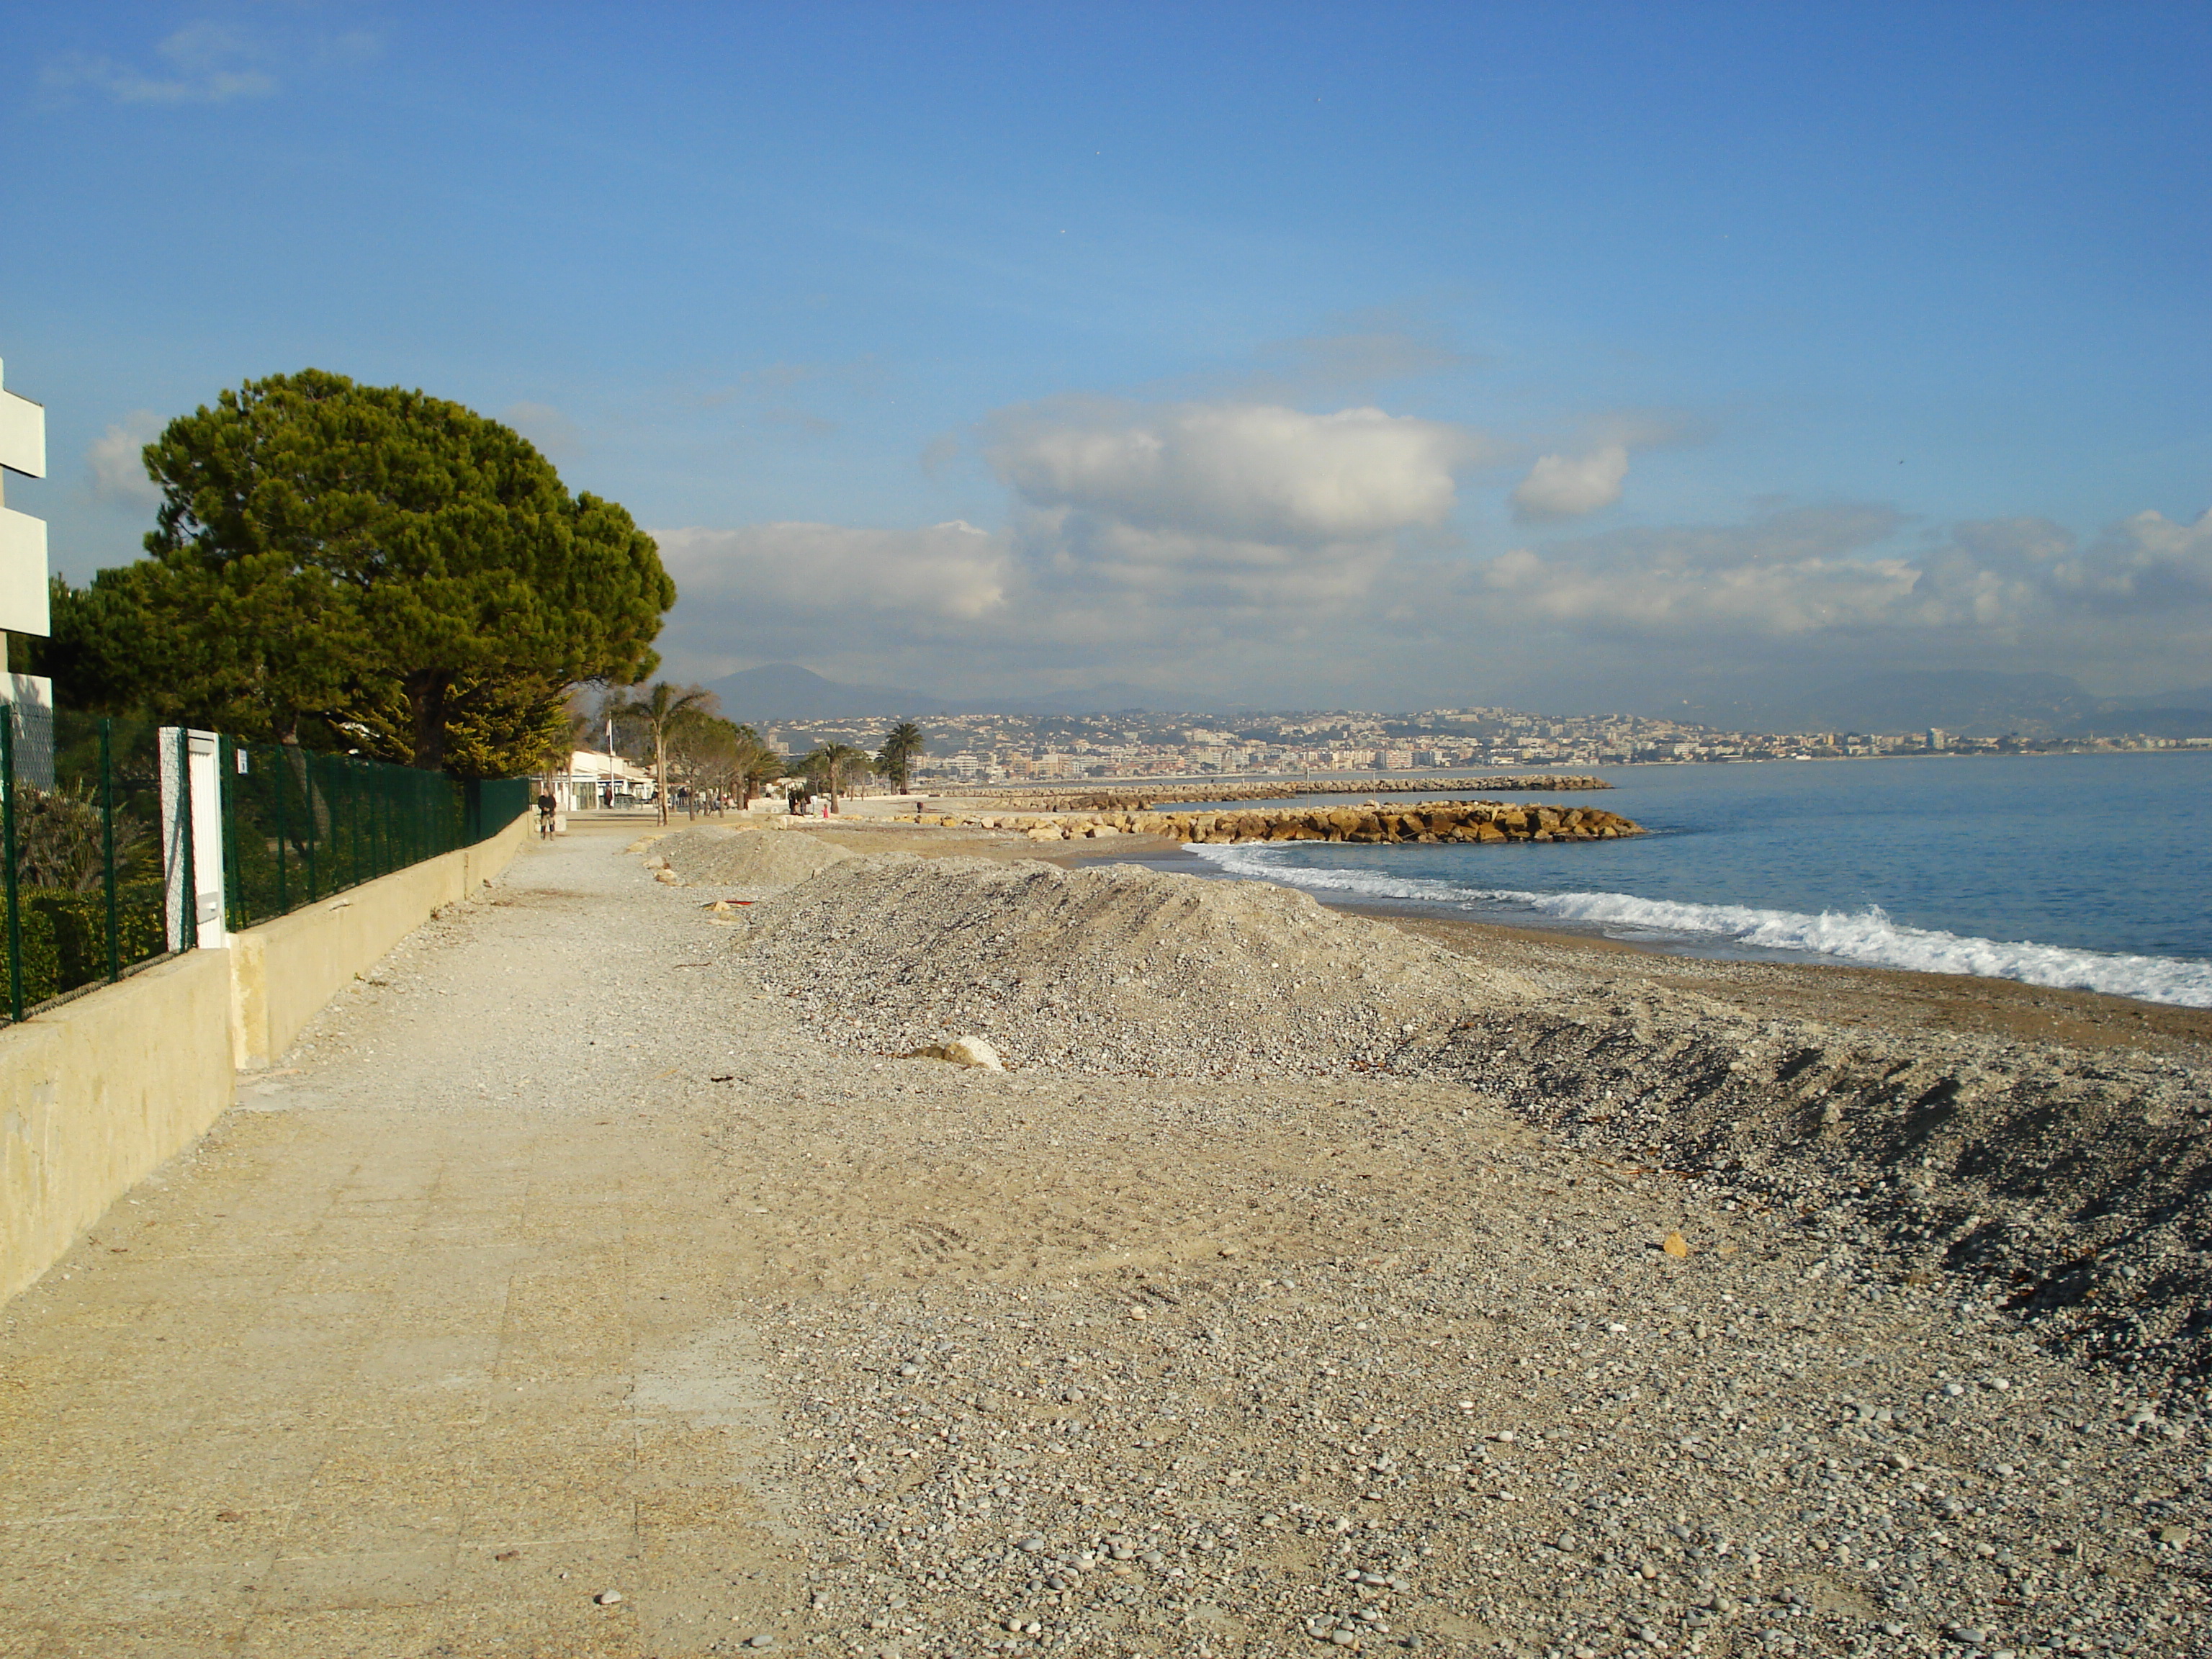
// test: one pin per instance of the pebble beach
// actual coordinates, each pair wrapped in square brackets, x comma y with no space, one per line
[1305,1281]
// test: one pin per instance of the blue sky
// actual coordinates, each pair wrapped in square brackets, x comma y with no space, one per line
[1571,355]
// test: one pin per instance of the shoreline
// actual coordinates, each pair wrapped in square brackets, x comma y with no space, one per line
[1846,994]
[1807,1075]
[2009,1007]
[1857,993]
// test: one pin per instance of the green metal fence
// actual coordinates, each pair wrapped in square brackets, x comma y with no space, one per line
[84,843]
[80,856]
[298,826]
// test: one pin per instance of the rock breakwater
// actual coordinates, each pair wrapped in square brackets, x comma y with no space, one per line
[1430,822]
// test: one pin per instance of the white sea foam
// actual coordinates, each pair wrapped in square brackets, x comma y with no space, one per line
[1867,937]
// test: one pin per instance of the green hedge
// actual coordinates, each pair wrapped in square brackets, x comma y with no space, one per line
[65,938]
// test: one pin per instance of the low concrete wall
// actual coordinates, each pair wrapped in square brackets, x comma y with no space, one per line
[286,969]
[97,1094]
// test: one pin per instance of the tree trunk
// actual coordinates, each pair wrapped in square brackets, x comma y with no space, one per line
[426,702]
[660,773]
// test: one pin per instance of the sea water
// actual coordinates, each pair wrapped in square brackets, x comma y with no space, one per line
[2088,872]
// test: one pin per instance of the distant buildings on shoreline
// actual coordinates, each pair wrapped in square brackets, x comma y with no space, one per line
[1023,748]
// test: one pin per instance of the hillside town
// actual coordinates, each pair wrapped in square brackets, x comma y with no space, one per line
[1021,748]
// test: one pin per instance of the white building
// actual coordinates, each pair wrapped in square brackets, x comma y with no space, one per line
[29,698]
[594,780]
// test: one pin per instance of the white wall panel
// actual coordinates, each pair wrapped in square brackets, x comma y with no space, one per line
[22,573]
[22,434]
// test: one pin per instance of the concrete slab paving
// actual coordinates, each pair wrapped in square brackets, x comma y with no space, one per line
[424,1346]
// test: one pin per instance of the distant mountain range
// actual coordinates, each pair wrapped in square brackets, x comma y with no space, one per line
[1967,701]
[785,692]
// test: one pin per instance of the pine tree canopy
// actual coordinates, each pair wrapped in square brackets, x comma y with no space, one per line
[368,565]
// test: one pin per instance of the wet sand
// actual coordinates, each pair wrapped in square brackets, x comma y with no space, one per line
[1892,999]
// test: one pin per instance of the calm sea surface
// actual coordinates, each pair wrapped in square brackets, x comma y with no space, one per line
[2086,871]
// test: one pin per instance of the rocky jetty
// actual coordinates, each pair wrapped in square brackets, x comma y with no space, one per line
[1125,799]
[1433,822]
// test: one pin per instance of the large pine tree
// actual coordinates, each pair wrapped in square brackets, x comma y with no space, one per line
[368,565]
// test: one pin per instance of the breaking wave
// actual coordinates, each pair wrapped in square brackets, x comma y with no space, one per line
[1868,938]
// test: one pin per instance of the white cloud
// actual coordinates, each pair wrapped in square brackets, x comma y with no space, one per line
[1790,573]
[2144,563]
[1245,549]
[1569,486]
[1813,571]
[1067,597]
[116,462]
[1085,558]
[206,63]
[1770,601]
[948,572]
[1253,472]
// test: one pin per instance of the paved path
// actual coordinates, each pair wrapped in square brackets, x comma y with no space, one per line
[427,1344]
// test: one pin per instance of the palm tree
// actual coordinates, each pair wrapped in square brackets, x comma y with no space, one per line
[838,765]
[657,711]
[903,746]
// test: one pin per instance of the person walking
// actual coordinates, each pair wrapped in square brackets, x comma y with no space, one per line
[545,807]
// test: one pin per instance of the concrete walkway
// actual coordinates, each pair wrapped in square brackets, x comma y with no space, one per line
[428,1343]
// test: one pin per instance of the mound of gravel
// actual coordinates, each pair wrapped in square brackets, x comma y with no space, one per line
[709,855]
[1119,970]
[2074,1189]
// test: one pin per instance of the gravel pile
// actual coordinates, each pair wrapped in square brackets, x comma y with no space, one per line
[709,855]
[2078,1191]
[1118,969]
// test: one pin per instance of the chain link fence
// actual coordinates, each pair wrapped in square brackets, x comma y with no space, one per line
[298,826]
[81,854]
[97,846]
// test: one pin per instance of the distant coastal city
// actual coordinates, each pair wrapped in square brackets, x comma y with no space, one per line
[1023,748]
